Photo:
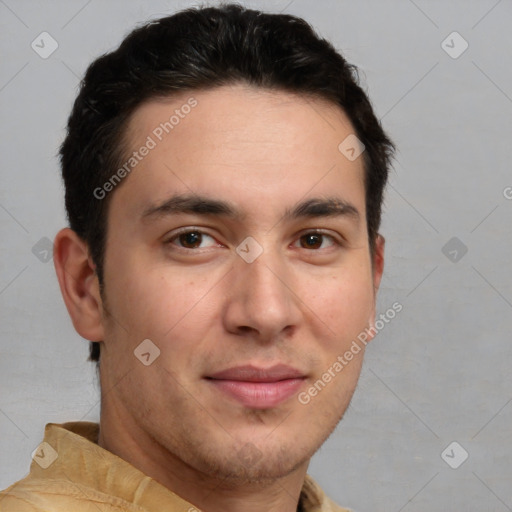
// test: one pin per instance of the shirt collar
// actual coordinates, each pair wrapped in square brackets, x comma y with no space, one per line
[81,460]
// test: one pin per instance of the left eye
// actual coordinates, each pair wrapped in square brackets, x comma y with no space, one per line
[193,240]
[316,241]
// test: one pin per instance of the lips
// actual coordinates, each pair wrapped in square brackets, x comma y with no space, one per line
[258,388]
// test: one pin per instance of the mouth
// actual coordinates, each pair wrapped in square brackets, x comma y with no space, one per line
[258,388]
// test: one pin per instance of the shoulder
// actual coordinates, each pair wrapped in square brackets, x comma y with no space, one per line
[330,506]
[37,495]
[315,499]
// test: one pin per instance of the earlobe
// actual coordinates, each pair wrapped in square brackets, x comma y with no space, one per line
[78,284]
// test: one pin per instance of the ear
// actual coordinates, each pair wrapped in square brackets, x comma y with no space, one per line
[377,271]
[79,284]
[378,262]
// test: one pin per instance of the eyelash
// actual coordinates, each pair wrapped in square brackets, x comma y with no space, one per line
[186,232]
[318,232]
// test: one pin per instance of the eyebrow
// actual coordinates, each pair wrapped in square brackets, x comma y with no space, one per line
[202,205]
[194,204]
[322,207]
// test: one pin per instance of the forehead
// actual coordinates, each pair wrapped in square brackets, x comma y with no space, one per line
[240,142]
[245,111]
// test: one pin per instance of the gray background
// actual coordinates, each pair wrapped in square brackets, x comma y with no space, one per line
[439,372]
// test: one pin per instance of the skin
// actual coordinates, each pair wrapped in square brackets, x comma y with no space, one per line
[207,309]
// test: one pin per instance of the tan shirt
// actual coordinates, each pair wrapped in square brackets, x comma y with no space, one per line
[71,473]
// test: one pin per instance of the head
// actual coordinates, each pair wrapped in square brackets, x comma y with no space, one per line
[203,129]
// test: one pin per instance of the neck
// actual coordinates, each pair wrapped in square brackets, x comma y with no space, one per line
[205,490]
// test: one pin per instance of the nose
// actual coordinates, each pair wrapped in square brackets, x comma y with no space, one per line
[261,302]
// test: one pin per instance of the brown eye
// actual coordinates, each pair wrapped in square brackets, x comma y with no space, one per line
[190,240]
[315,240]
[311,241]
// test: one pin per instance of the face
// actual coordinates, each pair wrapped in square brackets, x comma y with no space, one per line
[238,245]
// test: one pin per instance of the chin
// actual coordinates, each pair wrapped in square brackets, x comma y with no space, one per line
[253,465]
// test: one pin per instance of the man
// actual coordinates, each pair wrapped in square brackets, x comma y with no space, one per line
[224,177]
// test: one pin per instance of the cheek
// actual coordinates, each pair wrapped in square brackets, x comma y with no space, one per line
[163,304]
[343,301]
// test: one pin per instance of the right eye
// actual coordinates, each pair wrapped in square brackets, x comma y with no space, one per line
[192,239]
